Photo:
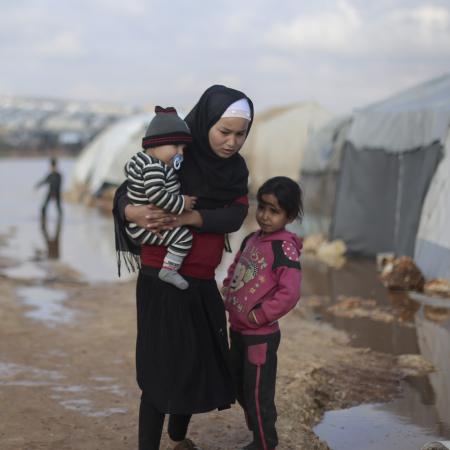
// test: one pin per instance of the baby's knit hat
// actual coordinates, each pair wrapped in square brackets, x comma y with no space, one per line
[166,128]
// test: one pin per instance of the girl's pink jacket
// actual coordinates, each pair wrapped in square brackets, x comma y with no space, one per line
[265,277]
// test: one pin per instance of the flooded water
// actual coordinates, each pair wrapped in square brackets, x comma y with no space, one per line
[84,241]
[46,305]
[422,413]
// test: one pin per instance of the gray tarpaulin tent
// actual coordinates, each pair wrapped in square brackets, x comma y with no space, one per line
[320,172]
[392,151]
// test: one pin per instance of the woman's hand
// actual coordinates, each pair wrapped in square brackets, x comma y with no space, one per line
[189,202]
[150,217]
[188,218]
[156,219]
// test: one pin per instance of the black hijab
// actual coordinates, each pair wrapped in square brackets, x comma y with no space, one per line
[214,180]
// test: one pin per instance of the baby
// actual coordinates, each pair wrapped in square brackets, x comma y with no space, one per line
[152,179]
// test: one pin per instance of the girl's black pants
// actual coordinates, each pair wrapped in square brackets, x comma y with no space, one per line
[254,367]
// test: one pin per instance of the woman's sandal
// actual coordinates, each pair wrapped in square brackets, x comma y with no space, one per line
[186,444]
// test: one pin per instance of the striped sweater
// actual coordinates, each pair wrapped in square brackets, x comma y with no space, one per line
[152,181]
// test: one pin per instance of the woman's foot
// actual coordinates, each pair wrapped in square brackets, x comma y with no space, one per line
[186,444]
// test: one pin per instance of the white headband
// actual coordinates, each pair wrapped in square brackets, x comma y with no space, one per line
[240,108]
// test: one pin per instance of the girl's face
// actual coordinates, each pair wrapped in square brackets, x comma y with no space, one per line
[227,136]
[165,153]
[270,215]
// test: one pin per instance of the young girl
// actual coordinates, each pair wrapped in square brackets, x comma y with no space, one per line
[262,285]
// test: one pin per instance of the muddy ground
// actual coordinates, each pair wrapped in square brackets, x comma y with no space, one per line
[72,386]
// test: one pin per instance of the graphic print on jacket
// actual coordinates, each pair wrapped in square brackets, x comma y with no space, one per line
[265,277]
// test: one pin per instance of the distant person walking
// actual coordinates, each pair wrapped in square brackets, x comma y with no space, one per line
[54,180]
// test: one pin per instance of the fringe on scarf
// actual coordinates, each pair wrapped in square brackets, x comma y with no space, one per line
[126,250]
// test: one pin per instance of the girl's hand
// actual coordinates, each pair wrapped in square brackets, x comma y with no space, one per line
[252,318]
[224,291]
[150,217]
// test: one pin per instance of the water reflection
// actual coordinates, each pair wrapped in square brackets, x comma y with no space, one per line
[86,244]
[358,279]
[434,344]
[422,413]
[51,238]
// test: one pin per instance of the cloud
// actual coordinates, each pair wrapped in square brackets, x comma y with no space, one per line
[331,30]
[345,31]
[424,30]
[66,44]
[129,8]
[342,53]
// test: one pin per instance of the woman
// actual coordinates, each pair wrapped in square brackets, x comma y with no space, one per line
[182,348]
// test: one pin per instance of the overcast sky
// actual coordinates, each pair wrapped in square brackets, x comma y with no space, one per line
[342,54]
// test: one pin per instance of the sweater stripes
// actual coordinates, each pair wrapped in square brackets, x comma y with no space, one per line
[152,181]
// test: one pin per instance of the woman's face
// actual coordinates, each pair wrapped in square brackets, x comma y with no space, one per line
[227,136]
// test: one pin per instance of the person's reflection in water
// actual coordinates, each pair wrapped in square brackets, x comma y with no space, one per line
[51,241]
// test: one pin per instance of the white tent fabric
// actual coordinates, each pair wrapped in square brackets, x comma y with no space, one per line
[102,161]
[411,119]
[432,252]
[277,142]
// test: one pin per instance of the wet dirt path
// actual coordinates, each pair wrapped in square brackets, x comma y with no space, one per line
[72,386]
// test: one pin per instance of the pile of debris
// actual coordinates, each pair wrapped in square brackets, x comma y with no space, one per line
[332,253]
[403,274]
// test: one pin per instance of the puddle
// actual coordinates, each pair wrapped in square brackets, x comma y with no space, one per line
[83,240]
[12,374]
[25,271]
[76,389]
[381,426]
[85,407]
[422,413]
[18,375]
[47,305]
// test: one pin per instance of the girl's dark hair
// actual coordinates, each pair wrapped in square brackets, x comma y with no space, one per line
[287,192]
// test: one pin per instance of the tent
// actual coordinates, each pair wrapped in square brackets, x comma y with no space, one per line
[390,157]
[277,140]
[102,161]
[432,252]
[320,172]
